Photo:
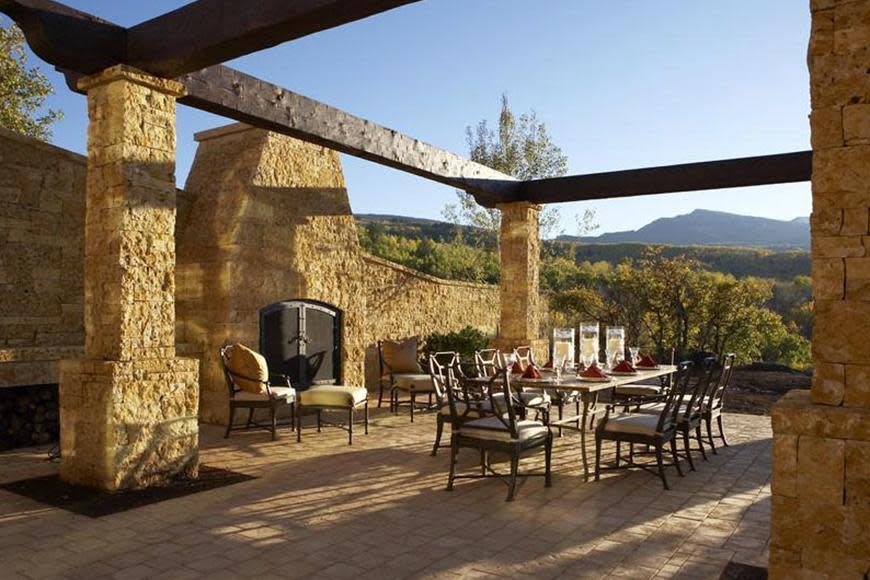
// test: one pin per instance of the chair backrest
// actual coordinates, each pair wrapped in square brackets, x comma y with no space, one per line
[674,398]
[501,398]
[699,392]
[523,355]
[441,366]
[488,362]
[716,395]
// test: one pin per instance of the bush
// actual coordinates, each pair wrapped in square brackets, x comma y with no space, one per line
[465,342]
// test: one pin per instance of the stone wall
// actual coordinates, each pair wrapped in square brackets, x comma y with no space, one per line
[821,482]
[42,203]
[402,302]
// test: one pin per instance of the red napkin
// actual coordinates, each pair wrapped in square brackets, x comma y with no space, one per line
[593,372]
[517,369]
[623,367]
[549,364]
[647,361]
[531,373]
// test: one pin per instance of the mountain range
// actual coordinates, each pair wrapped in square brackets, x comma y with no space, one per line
[712,228]
[700,228]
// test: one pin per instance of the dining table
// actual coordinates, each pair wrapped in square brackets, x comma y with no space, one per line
[587,391]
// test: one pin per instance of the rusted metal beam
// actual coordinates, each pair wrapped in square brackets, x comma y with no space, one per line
[747,171]
[230,93]
[209,32]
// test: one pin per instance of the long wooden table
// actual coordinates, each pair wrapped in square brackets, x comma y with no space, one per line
[588,392]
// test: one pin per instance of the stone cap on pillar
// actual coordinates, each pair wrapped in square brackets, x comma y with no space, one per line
[130,74]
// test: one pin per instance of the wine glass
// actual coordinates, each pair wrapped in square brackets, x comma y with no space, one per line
[635,354]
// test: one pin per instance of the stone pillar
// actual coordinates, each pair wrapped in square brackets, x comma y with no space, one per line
[520,258]
[129,408]
[821,479]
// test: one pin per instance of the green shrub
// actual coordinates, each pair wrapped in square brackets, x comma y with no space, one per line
[465,342]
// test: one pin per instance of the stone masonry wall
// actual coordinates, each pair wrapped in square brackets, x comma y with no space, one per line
[402,302]
[42,204]
[820,520]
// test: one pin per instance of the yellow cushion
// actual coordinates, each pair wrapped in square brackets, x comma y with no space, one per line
[333,396]
[400,356]
[244,362]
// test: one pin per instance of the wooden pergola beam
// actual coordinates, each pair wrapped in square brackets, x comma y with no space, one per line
[728,173]
[210,32]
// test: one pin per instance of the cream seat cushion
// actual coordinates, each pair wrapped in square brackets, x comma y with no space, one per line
[420,382]
[286,393]
[493,429]
[640,424]
[638,390]
[333,396]
[248,369]
[534,398]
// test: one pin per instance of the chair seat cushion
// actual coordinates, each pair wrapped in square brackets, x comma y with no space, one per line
[421,383]
[639,424]
[286,393]
[493,429]
[534,398]
[248,369]
[638,390]
[333,396]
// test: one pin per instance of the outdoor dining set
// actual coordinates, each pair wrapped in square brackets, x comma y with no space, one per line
[505,404]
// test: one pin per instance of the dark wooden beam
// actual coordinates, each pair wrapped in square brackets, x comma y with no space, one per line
[210,32]
[230,93]
[65,37]
[747,171]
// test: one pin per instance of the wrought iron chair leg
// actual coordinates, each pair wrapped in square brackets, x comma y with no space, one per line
[318,420]
[350,426]
[661,465]
[366,417]
[721,431]
[413,403]
[676,457]
[250,417]
[230,421]
[598,443]
[631,452]
[299,425]
[439,429]
[561,407]
[709,421]
[688,449]
[548,456]
[515,465]
[618,443]
[454,451]
[483,461]
[700,441]
[274,422]
[381,395]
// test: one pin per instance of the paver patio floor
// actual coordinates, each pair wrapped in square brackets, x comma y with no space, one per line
[321,509]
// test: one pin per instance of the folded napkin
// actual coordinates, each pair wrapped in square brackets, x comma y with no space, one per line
[593,372]
[549,364]
[624,367]
[531,373]
[647,361]
[517,369]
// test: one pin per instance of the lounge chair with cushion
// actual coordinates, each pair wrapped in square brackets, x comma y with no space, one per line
[400,371]
[251,387]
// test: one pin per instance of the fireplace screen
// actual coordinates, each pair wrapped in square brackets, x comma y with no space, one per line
[302,339]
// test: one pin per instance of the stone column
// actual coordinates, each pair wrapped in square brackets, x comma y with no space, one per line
[129,408]
[821,479]
[520,258]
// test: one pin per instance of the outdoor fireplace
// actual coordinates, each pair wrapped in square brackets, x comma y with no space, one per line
[29,415]
[302,339]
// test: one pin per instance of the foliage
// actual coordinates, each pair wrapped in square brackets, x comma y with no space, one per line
[22,90]
[520,147]
[465,342]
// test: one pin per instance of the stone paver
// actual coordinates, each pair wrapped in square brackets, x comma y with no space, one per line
[320,509]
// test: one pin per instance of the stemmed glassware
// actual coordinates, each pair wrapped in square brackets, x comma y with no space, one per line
[589,343]
[634,352]
[563,349]
[615,345]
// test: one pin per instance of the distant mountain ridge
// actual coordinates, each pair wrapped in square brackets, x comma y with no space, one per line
[712,228]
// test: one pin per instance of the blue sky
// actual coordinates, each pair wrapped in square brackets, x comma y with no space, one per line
[620,84]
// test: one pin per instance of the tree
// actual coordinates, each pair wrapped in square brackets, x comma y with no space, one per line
[520,147]
[22,90]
